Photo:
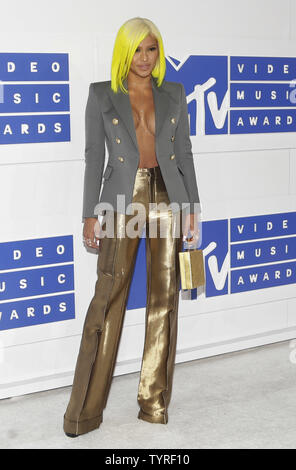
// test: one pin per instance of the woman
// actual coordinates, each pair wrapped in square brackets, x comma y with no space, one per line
[144,121]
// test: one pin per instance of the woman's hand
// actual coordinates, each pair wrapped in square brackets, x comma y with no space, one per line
[91,231]
[191,224]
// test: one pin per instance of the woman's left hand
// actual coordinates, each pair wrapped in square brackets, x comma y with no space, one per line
[191,224]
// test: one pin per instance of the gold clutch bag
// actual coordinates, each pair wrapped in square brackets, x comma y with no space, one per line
[192,268]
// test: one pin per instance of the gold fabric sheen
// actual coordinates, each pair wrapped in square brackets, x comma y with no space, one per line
[191,269]
[104,318]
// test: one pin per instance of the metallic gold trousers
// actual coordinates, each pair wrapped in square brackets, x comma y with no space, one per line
[104,318]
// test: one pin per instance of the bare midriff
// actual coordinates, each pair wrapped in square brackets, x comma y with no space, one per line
[144,121]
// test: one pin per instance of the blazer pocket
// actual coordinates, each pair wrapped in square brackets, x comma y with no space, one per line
[107,172]
[180,168]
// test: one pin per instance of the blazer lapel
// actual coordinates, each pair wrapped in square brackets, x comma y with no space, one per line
[161,105]
[122,105]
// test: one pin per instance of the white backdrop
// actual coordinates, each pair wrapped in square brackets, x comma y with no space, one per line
[41,184]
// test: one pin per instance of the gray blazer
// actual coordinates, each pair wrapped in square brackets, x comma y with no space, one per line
[109,118]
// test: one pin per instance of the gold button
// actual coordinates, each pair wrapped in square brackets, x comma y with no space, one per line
[121,159]
[115,121]
[173,120]
[118,140]
[172,157]
[173,138]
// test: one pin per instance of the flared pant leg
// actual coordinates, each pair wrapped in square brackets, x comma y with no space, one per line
[163,282]
[101,335]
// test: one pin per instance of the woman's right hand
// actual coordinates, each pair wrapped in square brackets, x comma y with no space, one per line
[91,231]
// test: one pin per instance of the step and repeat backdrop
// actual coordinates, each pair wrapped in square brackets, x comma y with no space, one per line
[242,115]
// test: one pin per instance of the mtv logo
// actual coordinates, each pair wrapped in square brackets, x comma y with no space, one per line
[205,79]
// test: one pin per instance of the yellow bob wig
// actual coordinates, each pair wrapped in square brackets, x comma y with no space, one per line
[129,36]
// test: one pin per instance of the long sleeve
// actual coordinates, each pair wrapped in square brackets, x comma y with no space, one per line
[183,150]
[94,153]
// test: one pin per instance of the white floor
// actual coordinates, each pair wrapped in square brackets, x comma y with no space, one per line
[240,400]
